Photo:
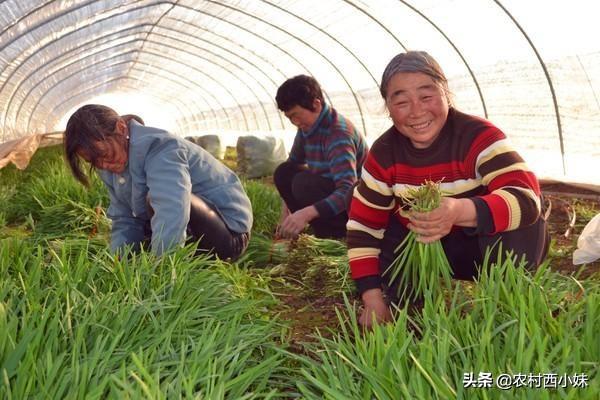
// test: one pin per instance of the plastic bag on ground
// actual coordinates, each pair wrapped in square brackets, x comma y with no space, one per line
[259,156]
[588,243]
[210,143]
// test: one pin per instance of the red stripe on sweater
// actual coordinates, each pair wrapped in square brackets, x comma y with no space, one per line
[364,267]
[408,174]
[483,140]
[376,170]
[500,211]
[375,218]
[524,179]
[446,172]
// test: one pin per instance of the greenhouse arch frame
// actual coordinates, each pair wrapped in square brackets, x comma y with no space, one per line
[214,66]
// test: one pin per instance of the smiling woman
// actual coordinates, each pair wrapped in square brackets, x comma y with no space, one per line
[418,107]
[417,97]
[490,195]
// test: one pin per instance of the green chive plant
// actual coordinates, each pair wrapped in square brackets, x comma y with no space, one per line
[266,206]
[79,325]
[419,267]
[52,184]
[263,251]
[513,322]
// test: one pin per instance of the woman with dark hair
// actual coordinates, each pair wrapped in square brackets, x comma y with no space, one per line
[162,187]
[490,195]
[316,181]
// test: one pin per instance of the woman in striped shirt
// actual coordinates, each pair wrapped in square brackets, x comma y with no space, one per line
[489,192]
[324,165]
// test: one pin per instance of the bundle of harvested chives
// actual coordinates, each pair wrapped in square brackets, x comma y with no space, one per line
[419,266]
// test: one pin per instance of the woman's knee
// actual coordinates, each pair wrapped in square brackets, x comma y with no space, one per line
[530,243]
[310,188]
[225,248]
[203,216]
[285,172]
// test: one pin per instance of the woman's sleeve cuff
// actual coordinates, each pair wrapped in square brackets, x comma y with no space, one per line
[368,282]
[485,222]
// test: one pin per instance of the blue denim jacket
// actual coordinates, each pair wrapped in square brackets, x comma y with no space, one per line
[166,169]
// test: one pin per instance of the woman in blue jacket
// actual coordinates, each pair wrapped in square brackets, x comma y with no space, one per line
[162,187]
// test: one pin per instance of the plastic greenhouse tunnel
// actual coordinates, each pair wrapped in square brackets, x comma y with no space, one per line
[77,321]
[213,67]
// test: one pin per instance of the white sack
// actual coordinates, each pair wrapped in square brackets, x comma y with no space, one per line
[259,156]
[588,244]
[210,143]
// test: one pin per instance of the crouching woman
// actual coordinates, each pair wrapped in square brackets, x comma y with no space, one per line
[163,189]
[490,195]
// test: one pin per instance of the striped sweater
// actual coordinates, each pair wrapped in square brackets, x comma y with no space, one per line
[334,149]
[472,159]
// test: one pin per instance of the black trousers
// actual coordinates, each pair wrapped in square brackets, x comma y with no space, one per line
[208,226]
[465,253]
[300,188]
